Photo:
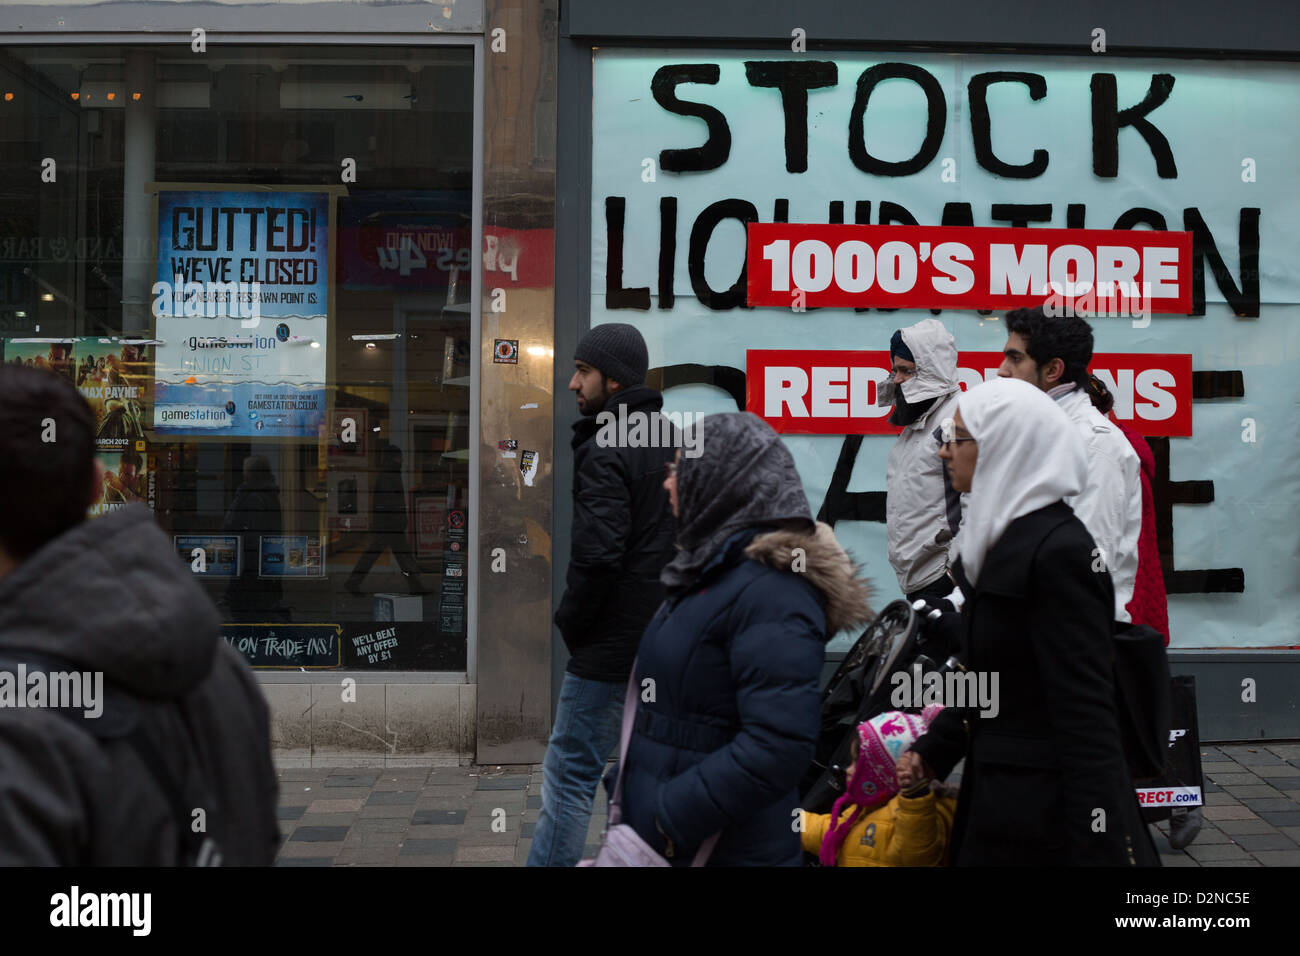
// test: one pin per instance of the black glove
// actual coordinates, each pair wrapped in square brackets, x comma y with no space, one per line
[940,636]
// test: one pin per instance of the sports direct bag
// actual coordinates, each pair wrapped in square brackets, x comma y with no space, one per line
[1179,786]
[621,845]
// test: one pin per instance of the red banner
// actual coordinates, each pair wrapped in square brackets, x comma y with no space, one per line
[1115,272]
[806,392]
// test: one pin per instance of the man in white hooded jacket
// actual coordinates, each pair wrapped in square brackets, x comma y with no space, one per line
[1053,354]
[922,511]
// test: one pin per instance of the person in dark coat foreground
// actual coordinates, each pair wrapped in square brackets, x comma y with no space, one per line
[1045,781]
[110,595]
[728,703]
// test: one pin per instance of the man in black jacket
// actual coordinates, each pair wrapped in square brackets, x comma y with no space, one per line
[622,538]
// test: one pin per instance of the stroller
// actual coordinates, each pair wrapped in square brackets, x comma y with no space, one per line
[859,690]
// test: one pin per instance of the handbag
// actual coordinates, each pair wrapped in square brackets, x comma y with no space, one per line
[620,844]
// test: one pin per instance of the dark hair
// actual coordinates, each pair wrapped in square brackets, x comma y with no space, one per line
[45,486]
[1068,338]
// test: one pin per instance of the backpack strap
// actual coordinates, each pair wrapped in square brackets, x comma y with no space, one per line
[119,719]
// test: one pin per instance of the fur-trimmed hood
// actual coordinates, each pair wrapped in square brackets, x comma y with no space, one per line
[828,568]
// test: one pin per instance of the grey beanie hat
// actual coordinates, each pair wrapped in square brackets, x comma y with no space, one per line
[616,349]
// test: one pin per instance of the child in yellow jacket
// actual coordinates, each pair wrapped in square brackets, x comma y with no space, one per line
[884,818]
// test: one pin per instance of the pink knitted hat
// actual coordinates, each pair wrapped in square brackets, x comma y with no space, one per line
[873,780]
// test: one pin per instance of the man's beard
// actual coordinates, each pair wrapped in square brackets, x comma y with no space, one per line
[594,405]
[906,412]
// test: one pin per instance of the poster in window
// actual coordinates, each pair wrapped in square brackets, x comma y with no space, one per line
[290,556]
[112,375]
[241,306]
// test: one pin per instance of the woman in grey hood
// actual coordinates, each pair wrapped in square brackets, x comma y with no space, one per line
[728,705]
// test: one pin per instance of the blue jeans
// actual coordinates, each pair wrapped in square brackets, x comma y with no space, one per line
[588,722]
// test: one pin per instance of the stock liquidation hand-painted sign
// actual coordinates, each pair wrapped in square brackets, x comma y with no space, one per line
[241,306]
[1172,178]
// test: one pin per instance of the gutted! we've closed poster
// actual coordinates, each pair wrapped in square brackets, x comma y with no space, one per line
[241,304]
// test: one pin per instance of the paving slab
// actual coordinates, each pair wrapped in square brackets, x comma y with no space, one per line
[310,819]
[1225,851]
[1221,800]
[1233,827]
[366,780]
[1279,857]
[1285,819]
[1231,780]
[437,817]
[485,854]
[428,847]
[401,812]
[1254,792]
[305,861]
[1278,804]
[336,806]
[1229,813]
[1248,861]
[319,834]
[1263,841]
[350,857]
[379,798]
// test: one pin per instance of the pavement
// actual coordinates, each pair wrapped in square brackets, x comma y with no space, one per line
[470,815]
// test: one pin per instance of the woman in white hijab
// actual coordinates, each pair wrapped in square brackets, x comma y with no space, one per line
[1045,782]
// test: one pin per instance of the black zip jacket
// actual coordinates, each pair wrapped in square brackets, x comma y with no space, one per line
[623,532]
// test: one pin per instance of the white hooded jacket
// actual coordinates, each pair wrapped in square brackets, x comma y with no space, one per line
[922,511]
[1110,505]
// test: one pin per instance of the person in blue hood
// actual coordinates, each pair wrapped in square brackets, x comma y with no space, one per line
[728,704]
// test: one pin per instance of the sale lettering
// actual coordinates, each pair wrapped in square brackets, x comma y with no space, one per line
[967,267]
[833,392]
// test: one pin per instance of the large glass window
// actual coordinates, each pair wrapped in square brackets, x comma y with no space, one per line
[256,265]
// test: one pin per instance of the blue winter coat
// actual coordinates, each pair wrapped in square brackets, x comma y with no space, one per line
[728,726]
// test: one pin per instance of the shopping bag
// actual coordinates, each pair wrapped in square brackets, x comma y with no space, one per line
[1179,783]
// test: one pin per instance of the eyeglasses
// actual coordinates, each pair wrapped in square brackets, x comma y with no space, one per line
[672,469]
[946,434]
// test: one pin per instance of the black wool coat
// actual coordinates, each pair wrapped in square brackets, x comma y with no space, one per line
[623,532]
[1045,781]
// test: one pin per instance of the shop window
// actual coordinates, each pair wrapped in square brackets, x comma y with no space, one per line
[296,408]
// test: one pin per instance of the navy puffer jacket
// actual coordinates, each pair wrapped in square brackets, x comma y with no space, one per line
[728,726]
